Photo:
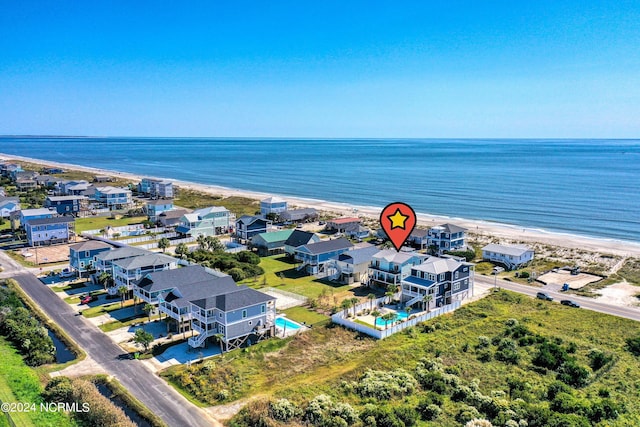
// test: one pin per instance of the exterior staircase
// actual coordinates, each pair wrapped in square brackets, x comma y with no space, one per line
[198,340]
[413,301]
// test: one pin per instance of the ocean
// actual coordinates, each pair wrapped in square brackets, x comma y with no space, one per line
[584,187]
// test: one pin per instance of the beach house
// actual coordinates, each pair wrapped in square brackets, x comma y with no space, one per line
[210,221]
[157,207]
[437,282]
[129,270]
[353,266]
[66,205]
[446,237]
[419,238]
[103,262]
[389,267]
[270,243]
[113,198]
[8,205]
[297,239]
[340,225]
[239,317]
[81,255]
[272,205]
[26,215]
[49,231]
[156,188]
[314,257]
[299,215]
[512,257]
[72,188]
[171,218]
[151,285]
[248,226]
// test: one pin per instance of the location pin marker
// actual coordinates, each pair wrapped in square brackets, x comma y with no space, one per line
[398,220]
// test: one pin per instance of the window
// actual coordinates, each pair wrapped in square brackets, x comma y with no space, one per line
[220,315]
[250,322]
[244,314]
[456,287]
[455,276]
[262,308]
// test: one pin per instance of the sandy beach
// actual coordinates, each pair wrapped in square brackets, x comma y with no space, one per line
[502,232]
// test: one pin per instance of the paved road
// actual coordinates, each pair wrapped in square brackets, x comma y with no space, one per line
[151,390]
[588,303]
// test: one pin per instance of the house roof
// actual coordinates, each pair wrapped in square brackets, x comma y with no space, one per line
[273,200]
[298,238]
[274,236]
[6,200]
[65,198]
[39,211]
[435,265]
[89,245]
[450,228]
[344,220]
[327,246]
[211,209]
[418,281]
[112,190]
[248,219]
[152,259]
[54,220]
[121,253]
[515,250]
[391,255]
[169,279]
[357,256]
[176,213]
[419,233]
[183,294]
[239,298]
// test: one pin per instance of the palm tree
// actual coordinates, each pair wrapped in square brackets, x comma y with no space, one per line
[202,242]
[391,291]
[375,314]
[346,304]
[148,309]
[122,291]
[426,300]
[220,337]
[371,297]
[354,302]
[105,279]
[181,249]
[214,244]
[389,317]
[164,243]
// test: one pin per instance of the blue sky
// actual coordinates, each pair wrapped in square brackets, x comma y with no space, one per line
[321,69]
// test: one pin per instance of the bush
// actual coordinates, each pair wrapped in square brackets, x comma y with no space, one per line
[466,414]
[248,257]
[59,389]
[283,410]
[524,275]
[633,345]
[573,374]
[28,335]
[598,359]
[429,411]
[382,416]
[237,274]
[385,384]
[406,414]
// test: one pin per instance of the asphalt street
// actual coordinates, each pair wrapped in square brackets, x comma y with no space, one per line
[147,387]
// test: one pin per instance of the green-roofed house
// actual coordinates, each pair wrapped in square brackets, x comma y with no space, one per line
[270,243]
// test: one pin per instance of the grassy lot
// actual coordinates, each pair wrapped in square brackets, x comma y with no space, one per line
[5,225]
[71,286]
[17,256]
[302,314]
[106,308]
[329,360]
[117,324]
[195,200]
[99,223]
[19,383]
[75,299]
[281,274]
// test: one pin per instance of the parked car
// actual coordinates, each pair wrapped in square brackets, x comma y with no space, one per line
[67,273]
[544,296]
[570,303]
[88,298]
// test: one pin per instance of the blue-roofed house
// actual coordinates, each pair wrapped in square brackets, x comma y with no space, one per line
[156,188]
[389,267]
[103,262]
[248,226]
[128,271]
[151,285]
[315,256]
[353,266]
[113,198]
[272,205]
[437,282]
[8,205]
[49,231]
[210,221]
[81,255]
[39,213]
[511,257]
[297,239]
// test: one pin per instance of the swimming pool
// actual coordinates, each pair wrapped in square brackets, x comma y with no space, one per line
[402,316]
[281,322]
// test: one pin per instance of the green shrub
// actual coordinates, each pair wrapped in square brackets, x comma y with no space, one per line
[573,374]
[283,410]
[633,345]
[429,411]
[385,384]
[598,359]
[466,414]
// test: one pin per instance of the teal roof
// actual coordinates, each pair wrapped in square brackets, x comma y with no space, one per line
[276,236]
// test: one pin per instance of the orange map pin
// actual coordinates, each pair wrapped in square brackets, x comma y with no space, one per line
[398,220]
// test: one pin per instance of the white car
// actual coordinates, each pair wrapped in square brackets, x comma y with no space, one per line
[67,273]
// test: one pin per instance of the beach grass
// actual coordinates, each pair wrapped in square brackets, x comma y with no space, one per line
[325,360]
[99,223]
[192,199]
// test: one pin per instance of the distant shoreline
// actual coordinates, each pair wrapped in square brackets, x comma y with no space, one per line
[496,230]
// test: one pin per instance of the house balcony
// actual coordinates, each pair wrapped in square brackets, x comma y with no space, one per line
[204,319]
[171,312]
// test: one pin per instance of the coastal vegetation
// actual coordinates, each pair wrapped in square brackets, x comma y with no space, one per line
[505,358]
[192,199]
